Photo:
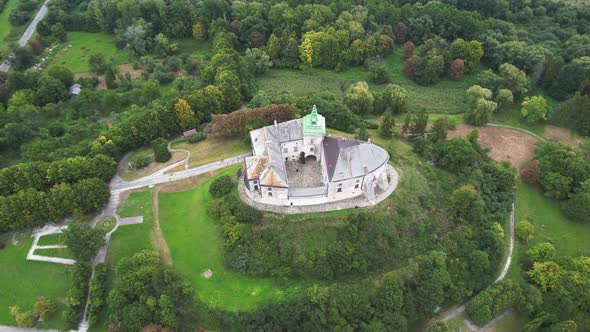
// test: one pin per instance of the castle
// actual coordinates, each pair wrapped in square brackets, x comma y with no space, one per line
[336,167]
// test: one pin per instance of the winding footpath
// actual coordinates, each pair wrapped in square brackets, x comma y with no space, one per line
[461,309]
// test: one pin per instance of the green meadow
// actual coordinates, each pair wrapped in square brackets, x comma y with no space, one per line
[22,282]
[83,44]
[194,240]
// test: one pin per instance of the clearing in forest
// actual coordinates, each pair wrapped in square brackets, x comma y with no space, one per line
[506,144]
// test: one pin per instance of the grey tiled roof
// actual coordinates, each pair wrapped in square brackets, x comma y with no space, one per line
[348,158]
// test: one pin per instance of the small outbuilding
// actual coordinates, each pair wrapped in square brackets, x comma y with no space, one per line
[75,89]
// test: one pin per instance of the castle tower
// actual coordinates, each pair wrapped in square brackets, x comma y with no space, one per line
[314,130]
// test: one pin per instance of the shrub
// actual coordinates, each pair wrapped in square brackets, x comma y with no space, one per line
[221,186]
[525,230]
[56,130]
[532,172]
[141,162]
[378,73]
[161,152]
[45,308]
[25,319]
[457,69]
[196,137]
[409,49]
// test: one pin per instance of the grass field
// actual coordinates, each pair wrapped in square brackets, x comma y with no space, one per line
[83,45]
[55,252]
[22,282]
[444,97]
[129,239]
[4,24]
[50,239]
[551,225]
[223,147]
[195,244]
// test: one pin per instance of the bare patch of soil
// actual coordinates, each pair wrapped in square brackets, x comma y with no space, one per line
[207,274]
[506,144]
[562,135]
[157,237]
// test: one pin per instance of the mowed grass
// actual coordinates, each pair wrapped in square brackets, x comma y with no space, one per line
[55,252]
[85,44]
[195,243]
[4,24]
[51,239]
[22,282]
[130,239]
[446,96]
[212,149]
[551,225]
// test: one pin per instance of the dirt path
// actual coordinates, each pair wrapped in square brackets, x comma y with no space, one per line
[157,237]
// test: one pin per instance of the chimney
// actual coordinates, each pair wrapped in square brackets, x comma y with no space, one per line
[366,169]
[276,125]
[369,141]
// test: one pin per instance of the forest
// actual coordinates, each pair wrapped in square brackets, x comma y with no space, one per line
[521,61]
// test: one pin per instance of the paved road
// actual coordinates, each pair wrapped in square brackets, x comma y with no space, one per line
[5,66]
[118,185]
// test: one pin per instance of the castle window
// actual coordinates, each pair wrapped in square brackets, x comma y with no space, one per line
[285,150]
[312,141]
[339,190]
[295,149]
[356,186]
[310,149]
[270,194]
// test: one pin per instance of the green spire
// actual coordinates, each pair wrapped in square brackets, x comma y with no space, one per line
[314,123]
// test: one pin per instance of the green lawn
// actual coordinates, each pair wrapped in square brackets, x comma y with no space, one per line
[55,252]
[551,225]
[83,45]
[22,282]
[444,97]
[129,239]
[195,244]
[50,239]
[4,24]
[200,153]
